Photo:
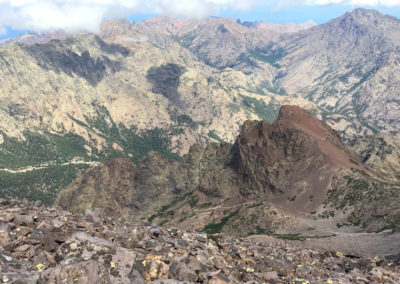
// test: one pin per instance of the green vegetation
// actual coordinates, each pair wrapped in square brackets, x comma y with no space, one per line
[290,237]
[354,162]
[163,210]
[215,228]
[269,54]
[186,120]
[327,214]
[292,199]
[266,85]
[234,107]
[40,148]
[136,143]
[193,201]
[52,150]
[299,237]
[266,112]
[259,231]
[214,135]
[37,148]
[204,205]
[256,205]
[363,196]
[391,222]
[41,184]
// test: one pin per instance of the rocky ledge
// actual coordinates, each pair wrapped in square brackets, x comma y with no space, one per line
[44,245]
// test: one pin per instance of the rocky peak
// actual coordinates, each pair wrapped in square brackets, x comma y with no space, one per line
[115,27]
[274,157]
[367,16]
[366,23]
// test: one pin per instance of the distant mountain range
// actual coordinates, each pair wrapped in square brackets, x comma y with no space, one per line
[164,84]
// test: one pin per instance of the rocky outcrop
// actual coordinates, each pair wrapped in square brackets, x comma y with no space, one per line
[119,187]
[109,187]
[43,245]
[297,154]
[380,152]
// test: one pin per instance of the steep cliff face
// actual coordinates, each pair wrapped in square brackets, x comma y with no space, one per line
[297,164]
[295,157]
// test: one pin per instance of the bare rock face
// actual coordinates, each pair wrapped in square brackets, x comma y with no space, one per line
[295,156]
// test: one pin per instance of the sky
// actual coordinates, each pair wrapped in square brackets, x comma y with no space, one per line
[19,16]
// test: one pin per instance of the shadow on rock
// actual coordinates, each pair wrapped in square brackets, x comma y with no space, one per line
[165,80]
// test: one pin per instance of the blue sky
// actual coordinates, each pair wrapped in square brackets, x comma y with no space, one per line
[19,16]
[303,13]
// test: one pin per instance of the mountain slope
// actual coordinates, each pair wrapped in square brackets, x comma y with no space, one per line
[348,66]
[380,152]
[90,98]
[297,166]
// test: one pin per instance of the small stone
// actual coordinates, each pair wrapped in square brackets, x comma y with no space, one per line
[4,233]
[219,279]
[22,248]
[24,220]
[22,232]
[201,238]
[51,259]
[271,275]
[135,277]
[57,224]
[302,271]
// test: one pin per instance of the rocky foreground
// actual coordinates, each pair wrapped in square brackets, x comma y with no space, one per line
[44,245]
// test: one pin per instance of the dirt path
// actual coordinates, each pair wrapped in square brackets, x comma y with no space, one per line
[46,165]
[223,208]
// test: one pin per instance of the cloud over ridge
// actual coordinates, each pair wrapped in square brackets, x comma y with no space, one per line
[372,3]
[86,15]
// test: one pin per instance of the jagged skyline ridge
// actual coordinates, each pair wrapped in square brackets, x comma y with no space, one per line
[76,16]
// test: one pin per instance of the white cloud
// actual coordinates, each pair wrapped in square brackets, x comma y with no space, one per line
[78,15]
[86,15]
[372,3]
